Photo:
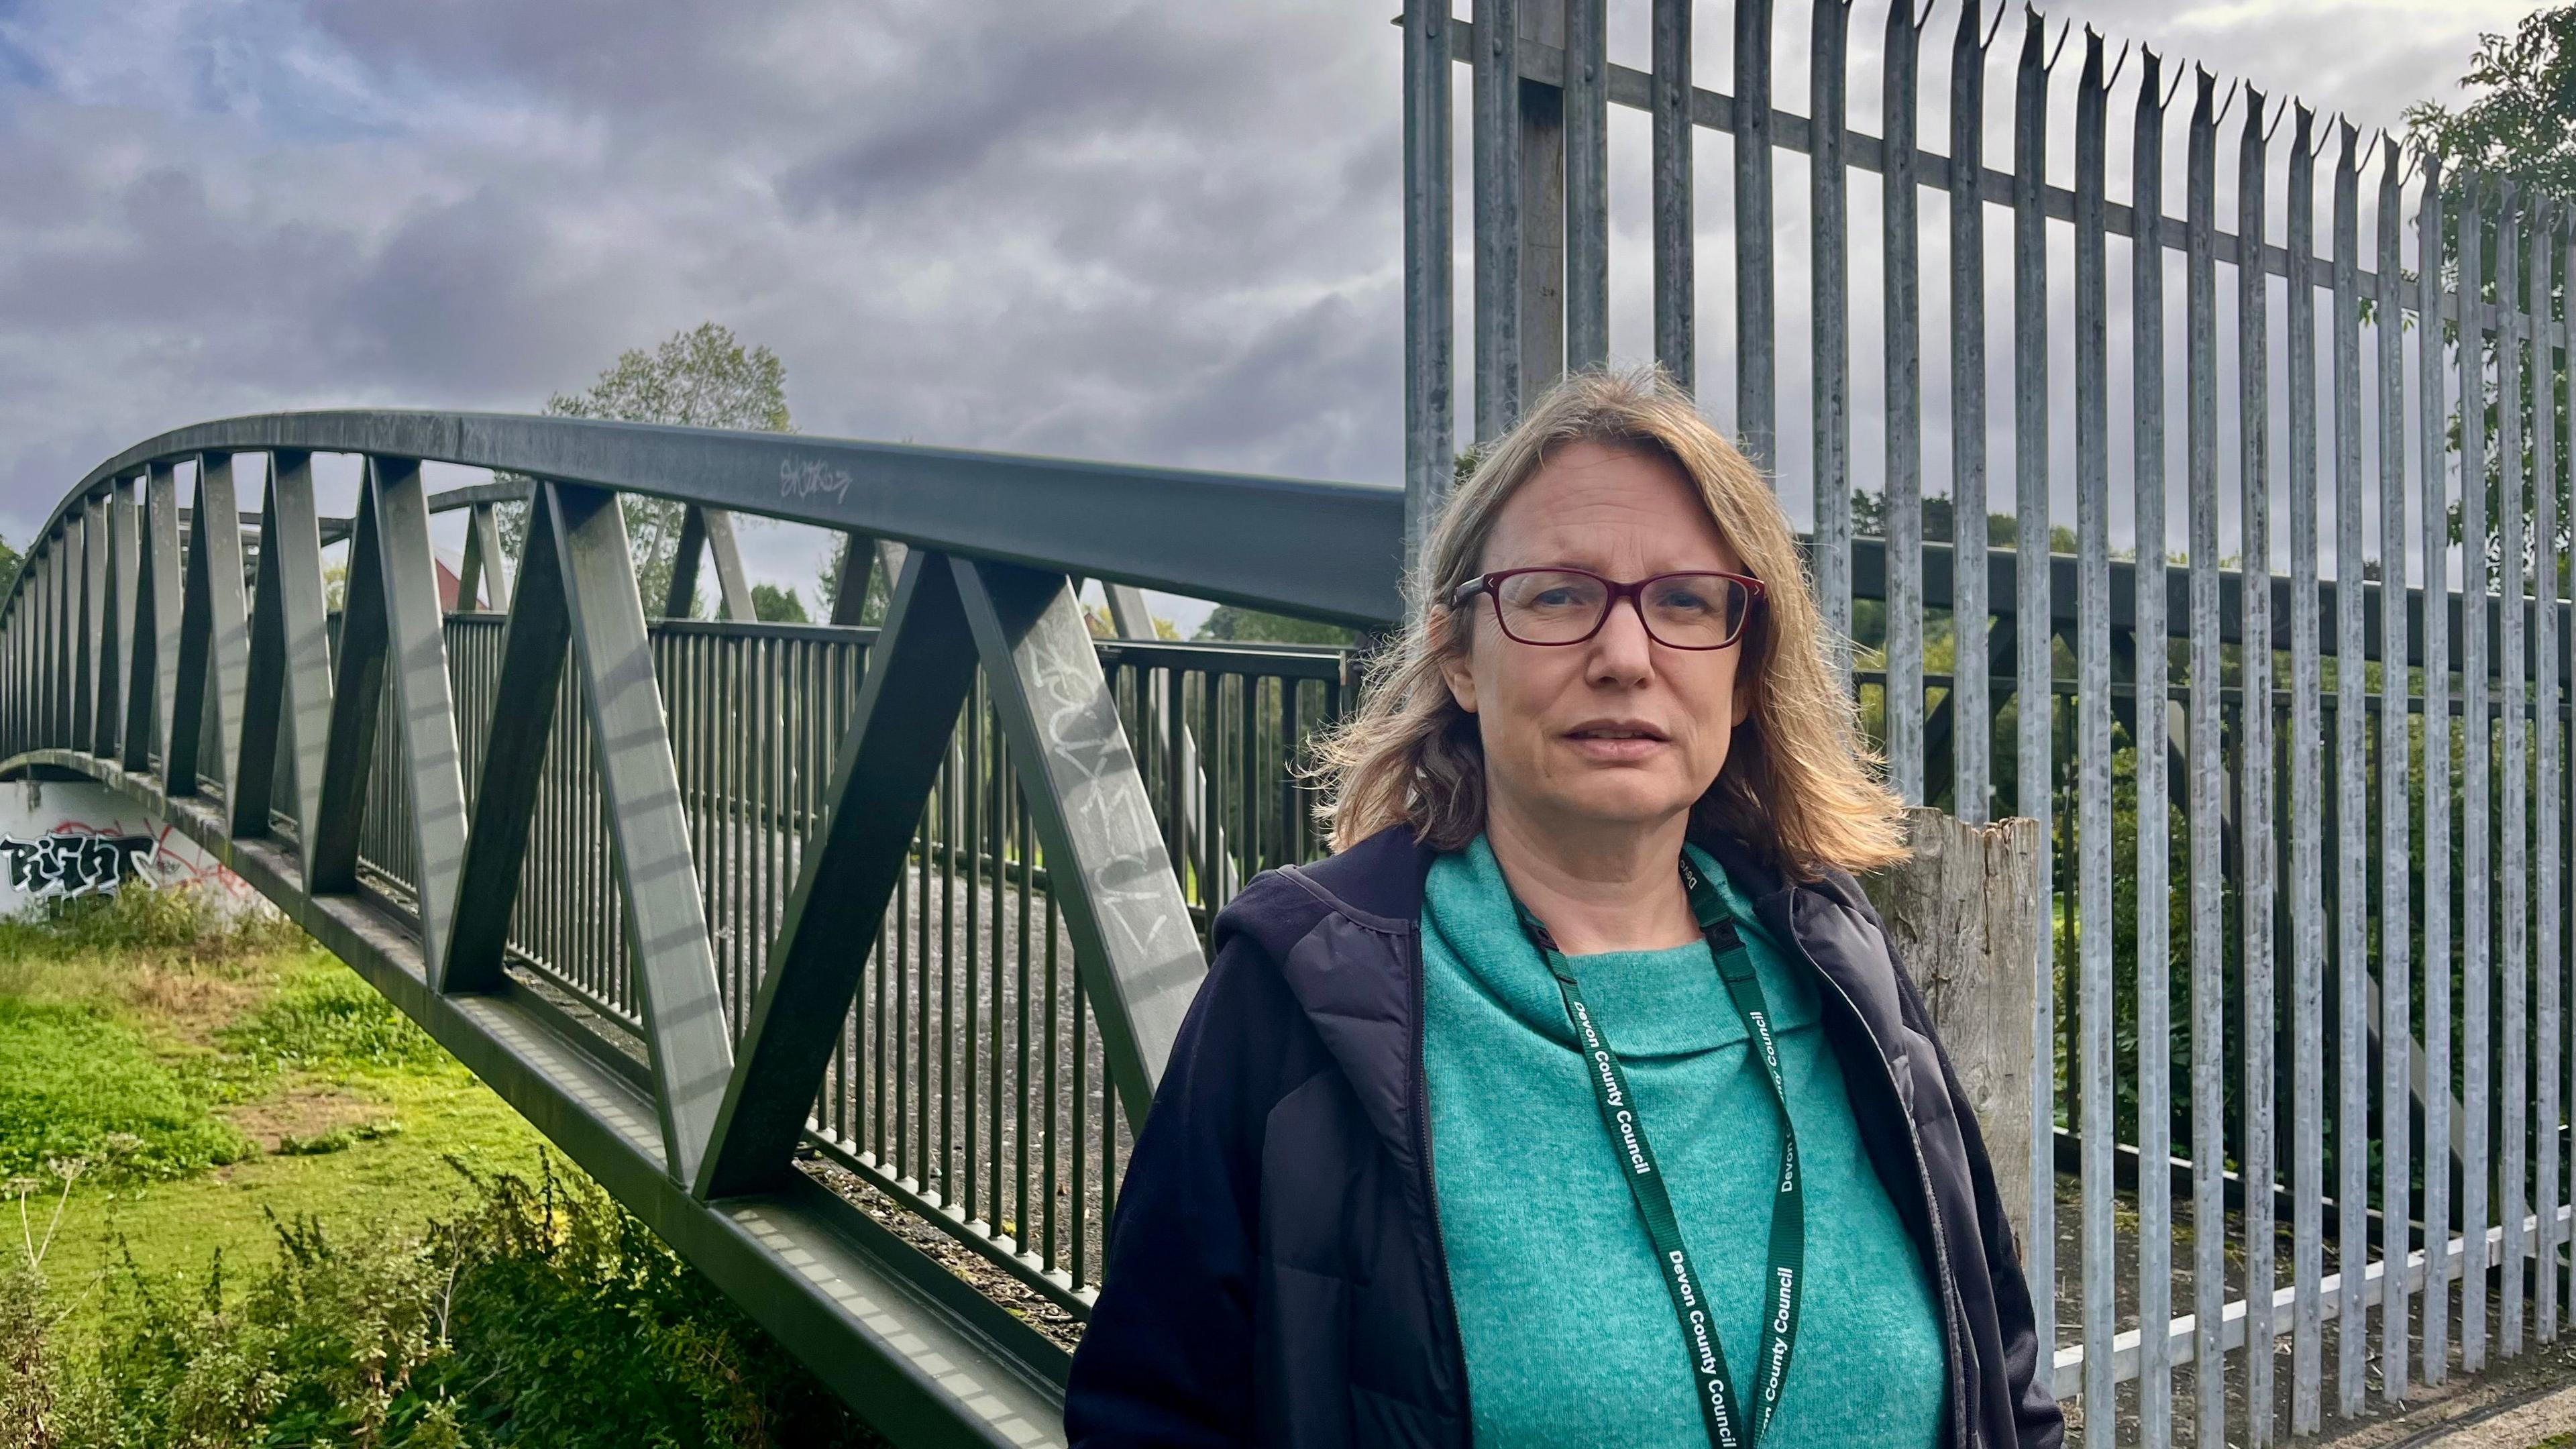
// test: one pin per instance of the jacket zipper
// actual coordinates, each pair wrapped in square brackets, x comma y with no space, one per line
[1431,1184]
[1964,1429]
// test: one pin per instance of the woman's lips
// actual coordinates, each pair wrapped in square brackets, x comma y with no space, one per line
[1614,748]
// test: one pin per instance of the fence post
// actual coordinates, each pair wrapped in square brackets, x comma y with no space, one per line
[1964,916]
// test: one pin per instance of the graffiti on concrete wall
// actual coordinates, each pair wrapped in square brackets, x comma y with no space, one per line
[74,859]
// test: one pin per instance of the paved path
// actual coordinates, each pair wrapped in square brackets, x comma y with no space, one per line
[2549,1420]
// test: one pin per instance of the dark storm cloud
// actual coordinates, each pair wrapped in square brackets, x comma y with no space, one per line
[1142,230]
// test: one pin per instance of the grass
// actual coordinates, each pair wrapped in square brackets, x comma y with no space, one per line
[79,1085]
[261,1207]
[219,1074]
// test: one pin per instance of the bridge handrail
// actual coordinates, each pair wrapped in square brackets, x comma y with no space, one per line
[1324,549]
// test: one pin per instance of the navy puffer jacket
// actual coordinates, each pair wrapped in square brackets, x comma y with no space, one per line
[1275,1273]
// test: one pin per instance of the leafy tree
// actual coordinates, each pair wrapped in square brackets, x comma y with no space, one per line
[701,378]
[827,588]
[9,561]
[2522,128]
[1940,523]
[1233,622]
[774,605]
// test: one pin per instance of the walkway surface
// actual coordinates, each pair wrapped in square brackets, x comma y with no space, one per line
[2546,1421]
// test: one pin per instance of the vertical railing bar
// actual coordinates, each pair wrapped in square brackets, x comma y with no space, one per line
[1829,204]
[1051,1173]
[2352,766]
[2542,251]
[2153,730]
[2431,434]
[978,788]
[2307,1149]
[1495,147]
[2397,906]
[1587,184]
[1902,239]
[998,793]
[2034,637]
[1756,336]
[1082,1217]
[2565,248]
[2396,985]
[2094,927]
[2515,768]
[1430,424]
[1670,103]
[1538,174]
[2477,696]
[1971,703]
[1020,1224]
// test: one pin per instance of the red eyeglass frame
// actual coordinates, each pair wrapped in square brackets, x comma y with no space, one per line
[1634,593]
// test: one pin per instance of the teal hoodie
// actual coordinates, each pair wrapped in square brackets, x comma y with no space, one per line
[1568,1332]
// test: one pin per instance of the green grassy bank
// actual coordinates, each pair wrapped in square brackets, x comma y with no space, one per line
[244,1202]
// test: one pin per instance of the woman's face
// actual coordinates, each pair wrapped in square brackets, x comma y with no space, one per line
[1619,729]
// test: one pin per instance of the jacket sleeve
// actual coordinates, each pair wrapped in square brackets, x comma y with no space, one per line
[2037,1421]
[1167,1356]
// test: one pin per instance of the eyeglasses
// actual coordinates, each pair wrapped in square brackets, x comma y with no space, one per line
[1702,610]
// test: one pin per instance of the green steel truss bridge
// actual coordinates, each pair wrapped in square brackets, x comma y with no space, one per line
[845,957]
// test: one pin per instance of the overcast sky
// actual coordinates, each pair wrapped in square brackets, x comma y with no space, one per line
[1162,232]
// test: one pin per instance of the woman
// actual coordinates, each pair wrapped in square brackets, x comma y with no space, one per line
[1577,1099]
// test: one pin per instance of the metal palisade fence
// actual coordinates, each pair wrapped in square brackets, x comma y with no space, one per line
[2302,753]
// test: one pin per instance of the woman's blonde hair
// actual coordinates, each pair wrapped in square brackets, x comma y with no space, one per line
[1796,785]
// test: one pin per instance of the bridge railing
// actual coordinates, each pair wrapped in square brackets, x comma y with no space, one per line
[848,958]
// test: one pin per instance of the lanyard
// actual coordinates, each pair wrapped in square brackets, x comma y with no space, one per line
[1721,1404]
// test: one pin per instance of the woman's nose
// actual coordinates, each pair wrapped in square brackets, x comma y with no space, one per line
[1622,650]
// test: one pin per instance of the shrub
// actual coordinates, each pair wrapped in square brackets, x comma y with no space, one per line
[145,920]
[544,1314]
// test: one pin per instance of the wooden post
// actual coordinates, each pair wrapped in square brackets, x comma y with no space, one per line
[1964,915]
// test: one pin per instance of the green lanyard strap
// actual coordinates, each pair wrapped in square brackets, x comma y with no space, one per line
[1721,1404]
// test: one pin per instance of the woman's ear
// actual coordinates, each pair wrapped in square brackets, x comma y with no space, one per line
[1453,663]
[1748,681]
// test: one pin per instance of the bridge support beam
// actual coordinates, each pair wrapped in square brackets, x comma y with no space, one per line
[290,658]
[705,530]
[1133,938]
[213,633]
[666,927]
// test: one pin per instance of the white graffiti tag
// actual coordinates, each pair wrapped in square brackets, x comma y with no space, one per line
[68,863]
[807,479]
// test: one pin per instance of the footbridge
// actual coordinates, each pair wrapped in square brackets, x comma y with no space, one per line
[845,957]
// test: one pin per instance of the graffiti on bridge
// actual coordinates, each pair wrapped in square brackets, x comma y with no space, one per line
[74,860]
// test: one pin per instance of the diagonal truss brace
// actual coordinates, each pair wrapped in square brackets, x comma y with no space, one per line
[1133,939]
[213,634]
[116,623]
[290,659]
[920,676]
[666,926]
[391,626]
[156,622]
[92,644]
[481,574]
[533,640]
[705,530]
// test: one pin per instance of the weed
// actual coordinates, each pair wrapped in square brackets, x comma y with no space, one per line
[543,1314]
